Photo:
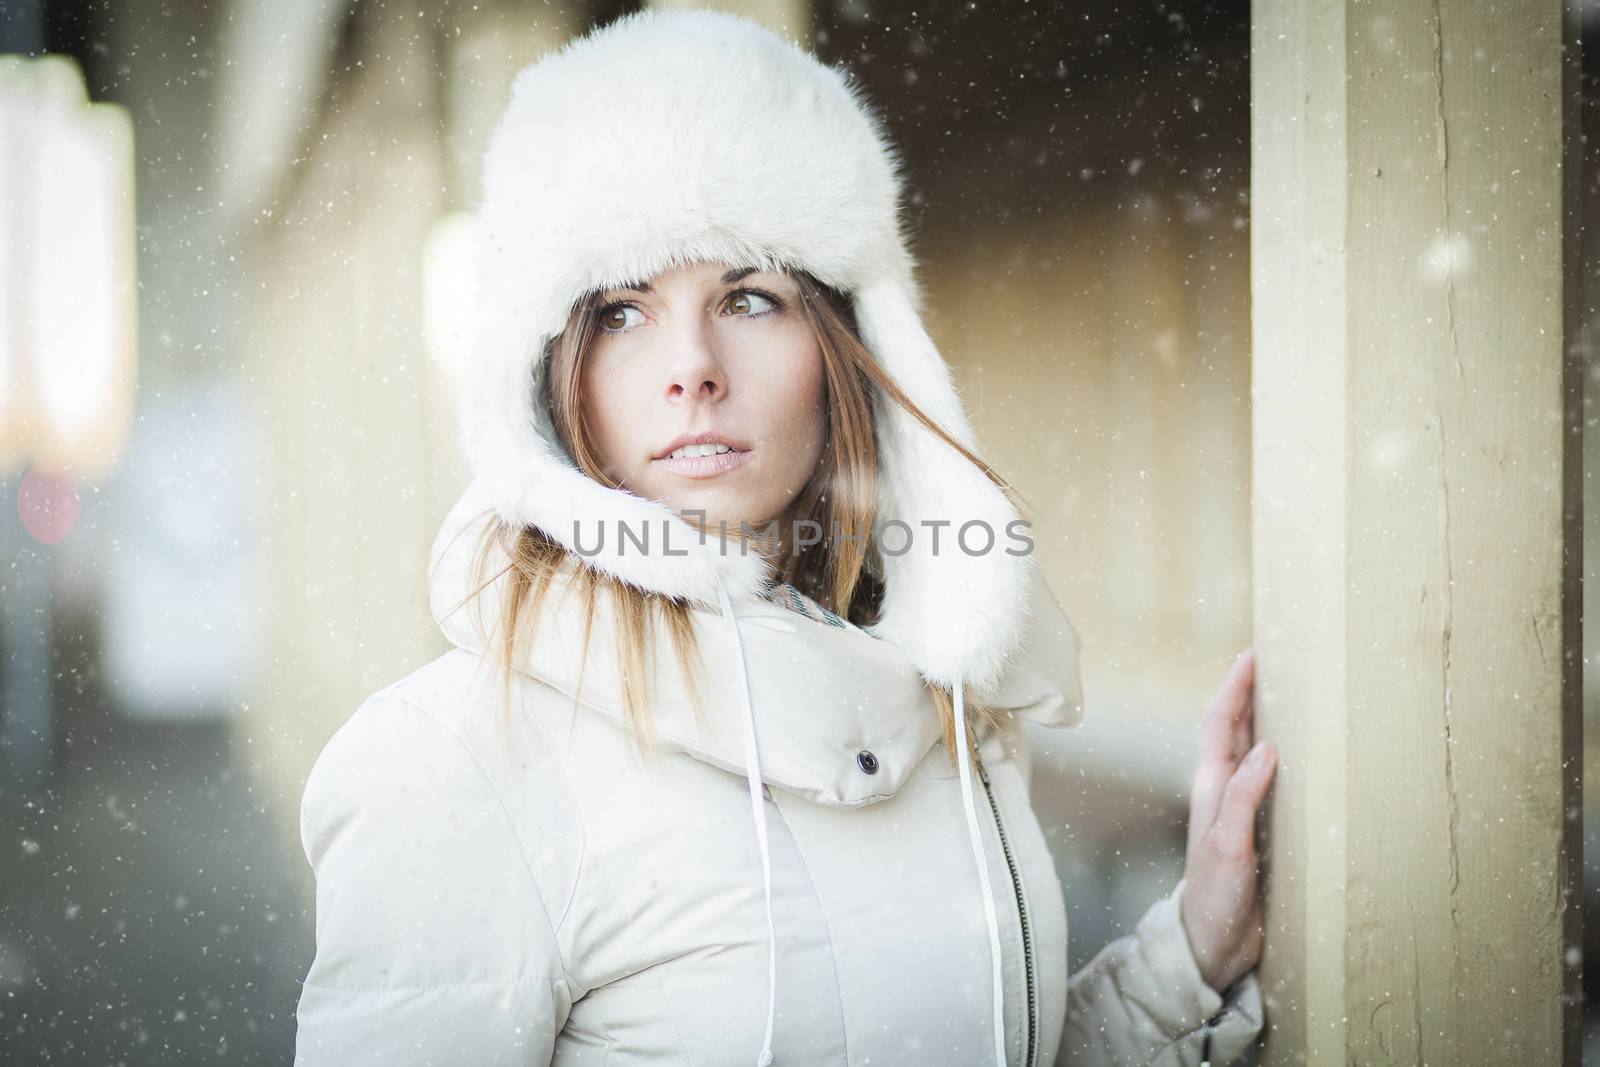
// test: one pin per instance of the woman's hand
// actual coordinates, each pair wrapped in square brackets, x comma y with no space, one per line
[1219,905]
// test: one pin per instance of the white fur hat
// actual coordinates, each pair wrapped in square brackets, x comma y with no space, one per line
[670,137]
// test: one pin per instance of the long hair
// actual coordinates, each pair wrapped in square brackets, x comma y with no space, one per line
[843,574]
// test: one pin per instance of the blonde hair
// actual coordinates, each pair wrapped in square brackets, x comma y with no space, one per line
[843,574]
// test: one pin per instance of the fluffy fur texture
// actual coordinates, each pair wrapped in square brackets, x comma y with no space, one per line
[670,137]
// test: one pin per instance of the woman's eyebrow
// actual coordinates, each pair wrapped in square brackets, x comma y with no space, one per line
[727,279]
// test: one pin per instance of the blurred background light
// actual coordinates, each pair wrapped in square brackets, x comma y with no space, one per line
[449,285]
[68,314]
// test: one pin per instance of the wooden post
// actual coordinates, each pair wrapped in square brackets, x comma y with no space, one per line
[1417,540]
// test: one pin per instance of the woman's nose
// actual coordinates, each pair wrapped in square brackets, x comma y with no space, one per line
[695,372]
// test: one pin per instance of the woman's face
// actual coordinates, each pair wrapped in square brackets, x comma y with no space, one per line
[705,350]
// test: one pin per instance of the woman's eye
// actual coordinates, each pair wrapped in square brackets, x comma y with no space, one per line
[614,319]
[741,303]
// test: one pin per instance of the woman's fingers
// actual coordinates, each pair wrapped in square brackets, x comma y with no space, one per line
[1228,719]
[1225,735]
[1230,785]
[1233,833]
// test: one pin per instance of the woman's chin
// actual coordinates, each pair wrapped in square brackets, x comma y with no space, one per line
[715,511]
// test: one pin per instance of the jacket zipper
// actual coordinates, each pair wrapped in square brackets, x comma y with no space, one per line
[1022,913]
[1210,1026]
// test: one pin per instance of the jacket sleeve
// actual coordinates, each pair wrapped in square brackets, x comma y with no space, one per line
[1141,1002]
[433,945]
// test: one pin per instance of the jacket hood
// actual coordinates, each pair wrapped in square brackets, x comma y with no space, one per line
[742,148]
[820,694]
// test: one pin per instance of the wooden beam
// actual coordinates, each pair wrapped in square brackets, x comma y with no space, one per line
[1417,536]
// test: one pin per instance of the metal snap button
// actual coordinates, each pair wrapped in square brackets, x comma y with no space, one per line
[867,761]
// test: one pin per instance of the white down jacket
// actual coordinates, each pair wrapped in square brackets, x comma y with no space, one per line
[539,893]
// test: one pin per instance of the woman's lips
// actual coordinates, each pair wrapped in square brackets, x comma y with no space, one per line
[702,466]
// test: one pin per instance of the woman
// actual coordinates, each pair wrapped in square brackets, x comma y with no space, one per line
[698,588]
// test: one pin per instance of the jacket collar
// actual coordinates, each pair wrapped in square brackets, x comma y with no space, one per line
[821,694]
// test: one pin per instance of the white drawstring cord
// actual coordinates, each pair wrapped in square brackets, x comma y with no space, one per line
[965,764]
[752,756]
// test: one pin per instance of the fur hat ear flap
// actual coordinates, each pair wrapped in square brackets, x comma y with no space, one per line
[952,595]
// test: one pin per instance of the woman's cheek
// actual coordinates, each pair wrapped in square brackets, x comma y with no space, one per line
[613,408]
[802,414]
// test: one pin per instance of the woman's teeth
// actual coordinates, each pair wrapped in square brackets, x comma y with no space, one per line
[691,451]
